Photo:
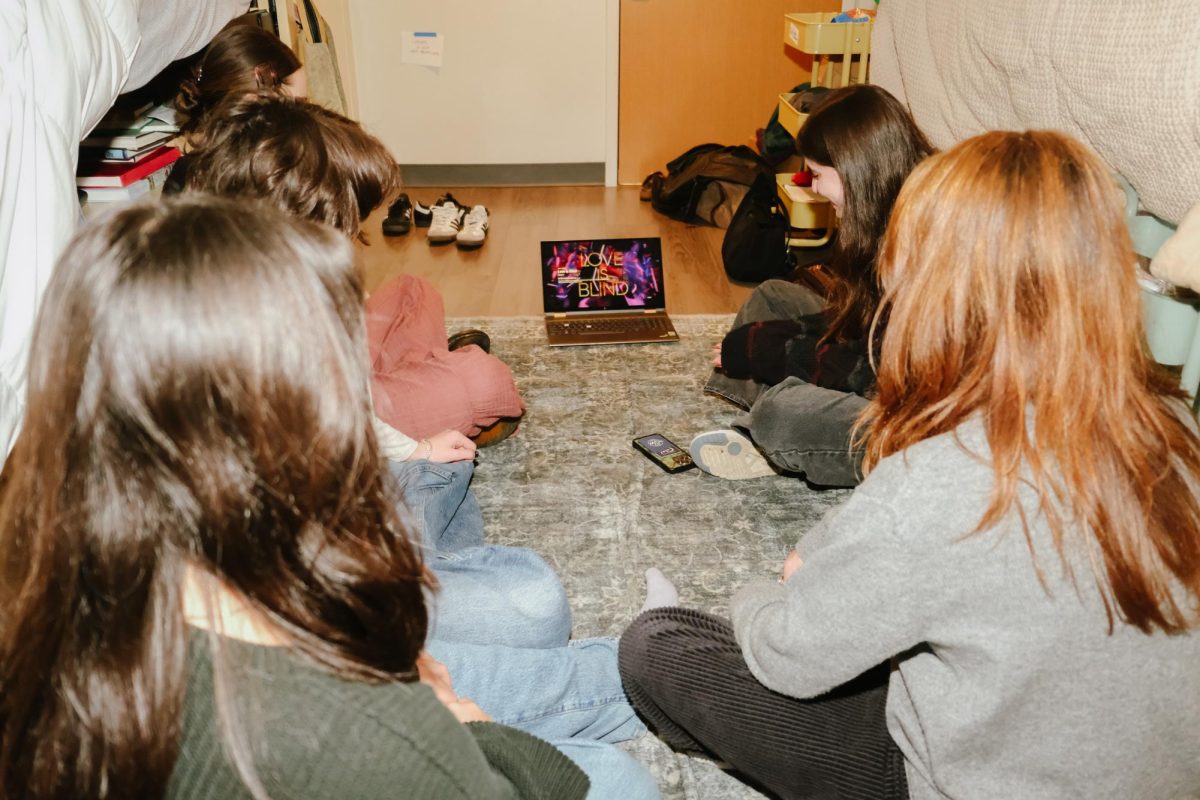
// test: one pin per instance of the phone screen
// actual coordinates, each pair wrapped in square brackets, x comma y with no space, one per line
[666,450]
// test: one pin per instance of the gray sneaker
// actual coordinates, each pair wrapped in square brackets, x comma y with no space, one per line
[729,454]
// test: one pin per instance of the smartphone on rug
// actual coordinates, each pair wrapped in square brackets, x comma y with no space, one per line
[662,451]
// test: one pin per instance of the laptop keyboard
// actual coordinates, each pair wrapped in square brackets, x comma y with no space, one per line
[580,327]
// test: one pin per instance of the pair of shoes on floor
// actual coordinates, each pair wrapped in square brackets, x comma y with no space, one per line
[729,454]
[451,221]
[497,432]
[470,336]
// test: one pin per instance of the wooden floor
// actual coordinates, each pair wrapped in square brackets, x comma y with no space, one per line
[503,278]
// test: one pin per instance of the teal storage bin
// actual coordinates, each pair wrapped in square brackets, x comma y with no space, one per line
[1172,315]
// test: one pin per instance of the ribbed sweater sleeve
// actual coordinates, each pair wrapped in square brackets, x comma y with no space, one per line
[317,736]
[529,763]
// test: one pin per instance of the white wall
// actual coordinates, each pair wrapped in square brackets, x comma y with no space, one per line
[522,81]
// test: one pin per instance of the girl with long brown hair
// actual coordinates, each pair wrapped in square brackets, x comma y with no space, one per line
[1025,550]
[207,590]
[798,361]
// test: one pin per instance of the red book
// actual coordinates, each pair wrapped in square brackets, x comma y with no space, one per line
[115,175]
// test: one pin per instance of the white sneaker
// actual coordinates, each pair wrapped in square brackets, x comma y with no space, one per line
[446,222]
[729,454]
[474,228]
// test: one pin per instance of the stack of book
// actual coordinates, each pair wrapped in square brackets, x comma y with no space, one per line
[127,155]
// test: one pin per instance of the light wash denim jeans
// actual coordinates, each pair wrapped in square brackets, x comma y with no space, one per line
[497,595]
[799,427]
[440,503]
[573,690]
[501,624]
[614,774]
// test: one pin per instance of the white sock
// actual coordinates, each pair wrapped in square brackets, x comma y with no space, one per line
[660,592]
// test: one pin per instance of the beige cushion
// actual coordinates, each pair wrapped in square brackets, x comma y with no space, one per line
[1178,260]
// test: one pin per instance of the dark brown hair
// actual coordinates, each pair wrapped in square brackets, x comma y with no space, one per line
[241,59]
[198,398]
[870,139]
[1010,297]
[298,156]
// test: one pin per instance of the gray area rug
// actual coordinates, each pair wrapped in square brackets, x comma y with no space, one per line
[569,485]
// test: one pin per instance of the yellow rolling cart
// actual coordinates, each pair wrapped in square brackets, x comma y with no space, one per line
[812,217]
[816,35]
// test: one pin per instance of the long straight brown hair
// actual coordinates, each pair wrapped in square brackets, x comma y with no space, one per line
[197,397]
[870,139]
[1010,295]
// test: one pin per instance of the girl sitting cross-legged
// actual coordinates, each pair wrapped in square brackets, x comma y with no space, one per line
[425,386]
[1008,606]
[797,361]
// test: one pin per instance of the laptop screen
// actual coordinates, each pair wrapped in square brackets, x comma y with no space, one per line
[602,275]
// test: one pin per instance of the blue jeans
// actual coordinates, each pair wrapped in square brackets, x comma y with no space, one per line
[615,775]
[501,623]
[440,503]
[496,595]
[572,690]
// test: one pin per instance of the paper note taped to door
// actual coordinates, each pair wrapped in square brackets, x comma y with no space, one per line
[421,47]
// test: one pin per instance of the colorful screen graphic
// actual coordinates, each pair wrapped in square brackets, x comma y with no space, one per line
[602,274]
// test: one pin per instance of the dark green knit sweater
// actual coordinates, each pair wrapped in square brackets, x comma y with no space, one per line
[316,736]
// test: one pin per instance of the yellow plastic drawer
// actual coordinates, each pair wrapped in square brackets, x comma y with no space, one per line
[806,209]
[814,33]
[791,119]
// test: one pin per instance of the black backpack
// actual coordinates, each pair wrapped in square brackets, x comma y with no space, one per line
[755,246]
[706,184]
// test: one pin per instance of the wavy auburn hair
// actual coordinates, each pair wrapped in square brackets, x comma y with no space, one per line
[302,158]
[198,398]
[1010,295]
[870,139]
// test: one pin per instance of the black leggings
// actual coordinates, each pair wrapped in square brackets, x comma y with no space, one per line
[685,674]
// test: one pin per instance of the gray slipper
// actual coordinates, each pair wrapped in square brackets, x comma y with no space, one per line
[729,454]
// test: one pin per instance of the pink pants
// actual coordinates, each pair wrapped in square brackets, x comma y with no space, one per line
[419,386]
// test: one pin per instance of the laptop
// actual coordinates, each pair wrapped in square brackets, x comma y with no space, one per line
[605,291]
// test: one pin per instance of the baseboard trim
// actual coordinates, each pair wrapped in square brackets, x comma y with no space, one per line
[586,174]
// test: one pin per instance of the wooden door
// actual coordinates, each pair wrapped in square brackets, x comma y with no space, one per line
[695,71]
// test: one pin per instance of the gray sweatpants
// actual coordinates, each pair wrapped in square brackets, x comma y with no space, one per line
[799,427]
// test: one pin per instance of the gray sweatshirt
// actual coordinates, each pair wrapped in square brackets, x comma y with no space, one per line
[1000,688]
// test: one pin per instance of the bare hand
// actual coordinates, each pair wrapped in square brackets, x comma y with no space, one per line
[716,360]
[790,565]
[434,674]
[450,445]
[465,710]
